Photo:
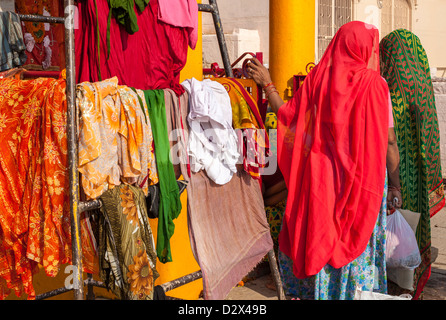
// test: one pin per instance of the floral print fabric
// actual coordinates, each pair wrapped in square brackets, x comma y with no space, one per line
[127,256]
[115,138]
[34,190]
[367,272]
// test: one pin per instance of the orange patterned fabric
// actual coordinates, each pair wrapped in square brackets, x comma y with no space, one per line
[115,138]
[34,184]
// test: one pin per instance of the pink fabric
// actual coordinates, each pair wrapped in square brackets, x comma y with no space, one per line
[181,13]
[391,124]
[151,58]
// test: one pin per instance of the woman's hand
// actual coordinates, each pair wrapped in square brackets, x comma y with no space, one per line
[258,72]
[393,194]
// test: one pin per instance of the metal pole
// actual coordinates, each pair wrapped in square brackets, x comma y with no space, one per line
[78,283]
[276,275]
[221,38]
[39,18]
[182,281]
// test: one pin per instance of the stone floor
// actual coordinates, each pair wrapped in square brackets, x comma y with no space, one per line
[435,289]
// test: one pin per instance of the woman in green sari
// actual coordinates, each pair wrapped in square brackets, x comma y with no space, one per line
[405,66]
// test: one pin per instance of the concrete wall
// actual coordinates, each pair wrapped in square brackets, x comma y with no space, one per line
[240,19]
[440,101]
[429,25]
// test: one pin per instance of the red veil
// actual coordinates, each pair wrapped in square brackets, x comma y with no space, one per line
[332,144]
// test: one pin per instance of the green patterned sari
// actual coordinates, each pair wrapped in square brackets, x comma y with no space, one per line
[405,66]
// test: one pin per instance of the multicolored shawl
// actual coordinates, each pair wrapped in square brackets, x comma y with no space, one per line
[127,255]
[405,66]
[332,139]
[249,126]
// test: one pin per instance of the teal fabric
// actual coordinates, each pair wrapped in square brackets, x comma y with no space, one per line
[11,38]
[170,204]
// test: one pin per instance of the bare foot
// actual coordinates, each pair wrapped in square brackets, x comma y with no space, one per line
[270,284]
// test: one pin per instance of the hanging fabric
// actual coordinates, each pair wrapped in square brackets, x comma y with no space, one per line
[44,41]
[151,58]
[11,38]
[183,14]
[115,138]
[212,144]
[169,205]
[127,255]
[247,121]
[34,197]
[226,242]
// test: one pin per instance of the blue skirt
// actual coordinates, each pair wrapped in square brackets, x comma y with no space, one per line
[367,272]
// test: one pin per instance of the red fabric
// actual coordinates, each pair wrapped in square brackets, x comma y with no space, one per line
[151,58]
[332,143]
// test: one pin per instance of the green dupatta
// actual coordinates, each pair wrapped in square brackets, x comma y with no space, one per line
[170,204]
[405,66]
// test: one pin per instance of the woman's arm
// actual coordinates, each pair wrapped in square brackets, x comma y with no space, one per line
[261,76]
[393,171]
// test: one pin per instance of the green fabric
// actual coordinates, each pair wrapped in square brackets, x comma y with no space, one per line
[141,4]
[405,66]
[127,258]
[170,204]
[124,12]
[98,40]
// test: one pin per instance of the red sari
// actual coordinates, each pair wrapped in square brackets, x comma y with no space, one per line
[332,143]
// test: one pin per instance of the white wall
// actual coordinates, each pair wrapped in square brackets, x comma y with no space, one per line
[236,15]
[429,24]
[368,12]
[440,104]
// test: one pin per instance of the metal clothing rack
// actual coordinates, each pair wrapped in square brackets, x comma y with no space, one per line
[77,206]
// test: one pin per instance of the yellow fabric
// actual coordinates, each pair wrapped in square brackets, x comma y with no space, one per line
[115,140]
[242,116]
[183,262]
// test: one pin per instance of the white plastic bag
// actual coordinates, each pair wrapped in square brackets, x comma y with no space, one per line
[401,244]
[403,277]
[370,295]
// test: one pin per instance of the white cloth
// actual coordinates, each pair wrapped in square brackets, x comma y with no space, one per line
[212,141]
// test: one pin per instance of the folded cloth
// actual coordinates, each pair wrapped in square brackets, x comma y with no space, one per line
[213,143]
[12,45]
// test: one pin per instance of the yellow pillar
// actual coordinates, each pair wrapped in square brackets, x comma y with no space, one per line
[194,64]
[291,44]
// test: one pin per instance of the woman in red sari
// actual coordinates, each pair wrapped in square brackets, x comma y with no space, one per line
[335,142]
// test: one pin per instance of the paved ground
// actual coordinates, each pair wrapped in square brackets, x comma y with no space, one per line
[435,288]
